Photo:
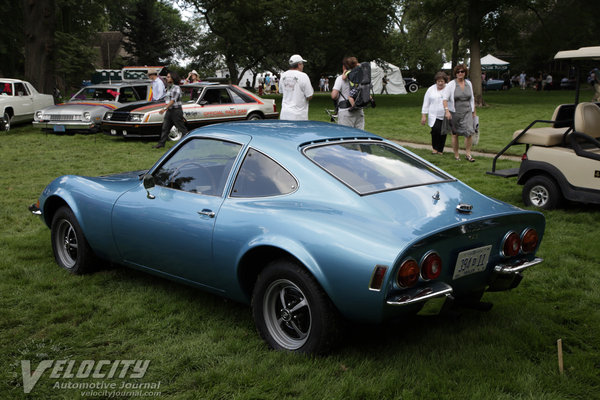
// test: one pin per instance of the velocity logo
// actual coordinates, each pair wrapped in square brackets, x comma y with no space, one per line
[72,369]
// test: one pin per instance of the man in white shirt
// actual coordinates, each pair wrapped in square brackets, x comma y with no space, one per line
[296,89]
[158,86]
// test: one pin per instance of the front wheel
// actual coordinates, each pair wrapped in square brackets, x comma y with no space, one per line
[175,134]
[541,191]
[291,311]
[70,247]
[413,87]
[5,122]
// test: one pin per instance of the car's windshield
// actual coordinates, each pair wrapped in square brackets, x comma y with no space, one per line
[6,89]
[369,167]
[96,94]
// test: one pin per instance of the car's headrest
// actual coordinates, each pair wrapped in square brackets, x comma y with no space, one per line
[587,119]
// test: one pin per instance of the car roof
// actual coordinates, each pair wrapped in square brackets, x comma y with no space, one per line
[583,53]
[12,80]
[278,134]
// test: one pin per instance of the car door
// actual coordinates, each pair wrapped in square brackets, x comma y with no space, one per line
[24,106]
[169,228]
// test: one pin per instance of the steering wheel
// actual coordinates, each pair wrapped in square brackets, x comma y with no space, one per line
[198,167]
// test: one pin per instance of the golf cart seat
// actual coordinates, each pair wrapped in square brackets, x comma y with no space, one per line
[587,119]
[551,135]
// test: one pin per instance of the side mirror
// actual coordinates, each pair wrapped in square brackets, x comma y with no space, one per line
[149,184]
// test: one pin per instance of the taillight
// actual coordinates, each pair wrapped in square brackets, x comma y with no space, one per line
[529,240]
[511,244]
[524,157]
[274,107]
[431,266]
[377,277]
[408,274]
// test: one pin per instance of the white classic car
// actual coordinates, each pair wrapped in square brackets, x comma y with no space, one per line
[85,110]
[18,102]
[209,103]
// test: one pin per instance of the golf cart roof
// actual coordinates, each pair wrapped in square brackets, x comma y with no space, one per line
[583,53]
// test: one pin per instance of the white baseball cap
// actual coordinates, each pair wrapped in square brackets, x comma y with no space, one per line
[296,58]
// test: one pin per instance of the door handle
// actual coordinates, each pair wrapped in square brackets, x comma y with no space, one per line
[207,212]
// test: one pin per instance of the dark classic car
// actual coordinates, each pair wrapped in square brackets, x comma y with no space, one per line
[308,222]
[209,103]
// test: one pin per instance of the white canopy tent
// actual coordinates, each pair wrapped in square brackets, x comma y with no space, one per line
[487,62]
[395,82]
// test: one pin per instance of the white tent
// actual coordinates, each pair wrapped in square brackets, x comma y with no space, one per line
[491,62]
[395,83]
[487,62]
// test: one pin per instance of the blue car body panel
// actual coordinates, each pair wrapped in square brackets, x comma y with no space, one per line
[335,233]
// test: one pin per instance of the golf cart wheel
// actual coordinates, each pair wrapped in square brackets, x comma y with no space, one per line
[413,87]
[291,311]
[542,192]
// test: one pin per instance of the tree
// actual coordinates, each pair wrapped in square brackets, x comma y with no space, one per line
[39,25]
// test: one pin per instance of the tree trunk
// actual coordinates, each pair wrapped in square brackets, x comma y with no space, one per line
[39,26]
[475,16]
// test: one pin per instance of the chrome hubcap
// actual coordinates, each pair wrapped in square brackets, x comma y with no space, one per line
[287,314]
[66,244]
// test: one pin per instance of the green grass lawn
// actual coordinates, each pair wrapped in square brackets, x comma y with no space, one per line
[204,347]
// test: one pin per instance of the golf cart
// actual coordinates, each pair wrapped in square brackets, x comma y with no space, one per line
[562,160]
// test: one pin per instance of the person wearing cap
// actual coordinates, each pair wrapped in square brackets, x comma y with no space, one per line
[193,77]
[296,89]
[158,86]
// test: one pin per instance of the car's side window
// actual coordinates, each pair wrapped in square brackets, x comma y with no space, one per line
[216,96]
[127,95]
[20,89]
[199,166]
[141,92]
[260,176]
[236,98]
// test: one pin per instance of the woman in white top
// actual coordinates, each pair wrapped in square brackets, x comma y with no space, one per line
[462,111]
[433,112]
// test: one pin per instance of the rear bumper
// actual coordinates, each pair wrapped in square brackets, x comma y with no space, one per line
[503,277]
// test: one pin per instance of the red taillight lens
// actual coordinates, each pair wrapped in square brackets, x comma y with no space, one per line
[511,244]
[529,240]
[431,266]
[524,157]
[274,107]
[408,274]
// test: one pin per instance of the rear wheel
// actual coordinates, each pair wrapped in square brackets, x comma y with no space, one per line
[70,247]
[254,117]
[541,191]
[413,87]
[291,311]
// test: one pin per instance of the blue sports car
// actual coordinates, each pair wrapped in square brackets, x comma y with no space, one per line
[311,223]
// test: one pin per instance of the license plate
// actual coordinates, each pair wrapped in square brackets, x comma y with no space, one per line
[59,128]
[471,261]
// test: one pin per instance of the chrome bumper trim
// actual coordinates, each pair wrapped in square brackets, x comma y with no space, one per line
[34,209]
[508,269]
[67,124]
[421,294]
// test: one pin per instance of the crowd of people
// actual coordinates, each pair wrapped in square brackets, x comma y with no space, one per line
[448,105]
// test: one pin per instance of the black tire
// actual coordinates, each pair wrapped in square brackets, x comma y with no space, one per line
[542,192]
[308,323]
[413,87]
[5,123]
[71,250]
[254,116]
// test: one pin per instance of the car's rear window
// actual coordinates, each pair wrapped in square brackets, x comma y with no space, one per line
[370,167]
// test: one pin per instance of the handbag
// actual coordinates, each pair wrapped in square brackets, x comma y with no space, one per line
[476,129]
[446,126]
